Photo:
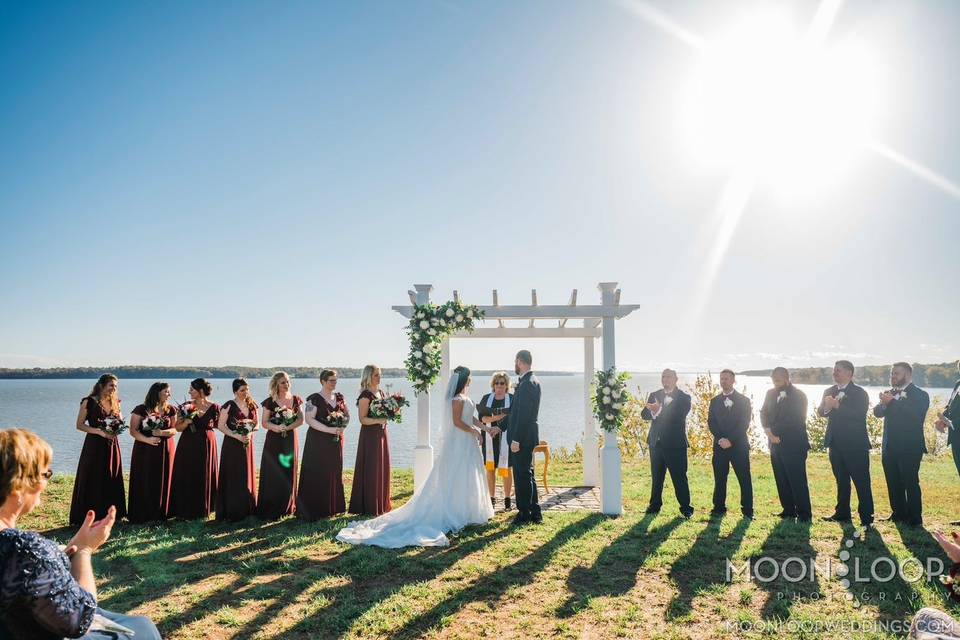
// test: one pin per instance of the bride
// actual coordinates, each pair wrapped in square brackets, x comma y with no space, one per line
[455,493]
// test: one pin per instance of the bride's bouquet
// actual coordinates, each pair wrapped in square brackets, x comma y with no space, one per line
[153,422]
[283,417]
[389,408]
[113,425]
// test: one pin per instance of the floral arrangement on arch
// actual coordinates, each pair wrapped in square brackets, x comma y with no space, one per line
[610,398]
[429,325]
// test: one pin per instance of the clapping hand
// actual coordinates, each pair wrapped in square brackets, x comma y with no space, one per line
[92,535]
[831,402]
[886,398]
[724,443]
[515,447]
[654,407]
[950,547]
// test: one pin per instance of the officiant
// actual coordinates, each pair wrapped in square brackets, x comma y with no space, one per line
[493,409]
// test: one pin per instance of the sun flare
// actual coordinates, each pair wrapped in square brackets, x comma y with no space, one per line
[773,100]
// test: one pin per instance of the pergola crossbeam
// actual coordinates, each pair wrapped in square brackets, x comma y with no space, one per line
[545,312]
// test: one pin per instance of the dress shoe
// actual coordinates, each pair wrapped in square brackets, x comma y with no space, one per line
[686,513]
[521,519]
[652,510]
[892,518]
[804,520]
[784,514]
[748,515]
[836,518]
[717,513]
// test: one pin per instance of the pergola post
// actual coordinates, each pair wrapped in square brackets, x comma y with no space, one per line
[423,452]
[611,491]
[591,452]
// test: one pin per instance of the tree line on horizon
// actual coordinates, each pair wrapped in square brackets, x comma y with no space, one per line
[141,372]
[875,375]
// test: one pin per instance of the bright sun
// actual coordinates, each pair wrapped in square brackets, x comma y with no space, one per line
[769,100]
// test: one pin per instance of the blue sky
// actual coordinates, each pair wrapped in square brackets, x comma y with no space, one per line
[257,183]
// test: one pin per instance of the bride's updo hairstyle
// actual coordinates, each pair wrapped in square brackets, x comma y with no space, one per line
[463,374]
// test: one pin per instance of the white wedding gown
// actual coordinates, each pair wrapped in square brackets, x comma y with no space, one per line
[454,495]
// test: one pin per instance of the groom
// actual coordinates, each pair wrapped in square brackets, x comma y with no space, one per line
[524,434]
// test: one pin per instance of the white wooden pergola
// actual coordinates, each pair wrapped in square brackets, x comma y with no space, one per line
[589,323]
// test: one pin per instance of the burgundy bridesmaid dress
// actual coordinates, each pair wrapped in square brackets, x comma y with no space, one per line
[151,472]
[237,493]
[278,469]
[371,474]
[321,473]
[99,481]
[194,486]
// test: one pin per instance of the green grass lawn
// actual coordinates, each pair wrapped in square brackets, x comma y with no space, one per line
[577,575]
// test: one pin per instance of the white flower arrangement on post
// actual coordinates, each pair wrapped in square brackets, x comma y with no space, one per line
[610,399]
[429,325]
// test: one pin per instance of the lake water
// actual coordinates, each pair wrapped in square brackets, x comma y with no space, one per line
[49,407]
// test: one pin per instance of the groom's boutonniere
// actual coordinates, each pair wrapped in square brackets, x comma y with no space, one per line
[841,396]
[901,395]
[781,396]
[727,402]
[667,400]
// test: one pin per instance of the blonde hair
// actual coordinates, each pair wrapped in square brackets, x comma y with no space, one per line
[499,376]
[24,456]
[275,384]
[366,380]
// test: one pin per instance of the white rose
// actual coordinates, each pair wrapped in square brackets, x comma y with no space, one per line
[617,406]
[432,331]
[417,354]
[449,313]
[616,393]
[434,321]
[424,324]
[609,417]
[469,313]
[459,318]
[606,400]
[443,322]
[606,391]
[420,314]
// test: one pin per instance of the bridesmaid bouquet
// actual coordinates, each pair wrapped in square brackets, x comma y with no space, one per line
[114,426]
[151,423]
[389,408]
[283,417]
[243,427]
[188,411]
[337,420]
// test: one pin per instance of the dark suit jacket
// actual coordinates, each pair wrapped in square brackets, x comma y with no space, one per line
[732,423]
[903,421]
[669,428]
[847,424]
[953,413]
[786,419]
[522,423]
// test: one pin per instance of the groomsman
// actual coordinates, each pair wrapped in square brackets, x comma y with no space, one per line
[904,410]
[667,410]
[845,406]
[784,419]
[949,421]
[729,422]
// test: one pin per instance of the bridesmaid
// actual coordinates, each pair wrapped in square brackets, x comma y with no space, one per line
[99,481]
[371,473]
[278,464]
[194,486]
[151,464]
[237,494]
[321,475]
[493,408]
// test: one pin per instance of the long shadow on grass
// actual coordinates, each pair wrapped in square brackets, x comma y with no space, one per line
[789,577]
[614,572]
[492,587]
[705,565]
[875,577]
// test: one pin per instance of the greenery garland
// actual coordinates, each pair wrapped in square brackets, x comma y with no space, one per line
[429,325]
[610,399]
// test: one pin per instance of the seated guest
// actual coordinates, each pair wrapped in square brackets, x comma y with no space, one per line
[46,592]
[904,410]
[933,624]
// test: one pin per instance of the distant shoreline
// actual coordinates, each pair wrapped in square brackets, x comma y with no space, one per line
[188,373]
